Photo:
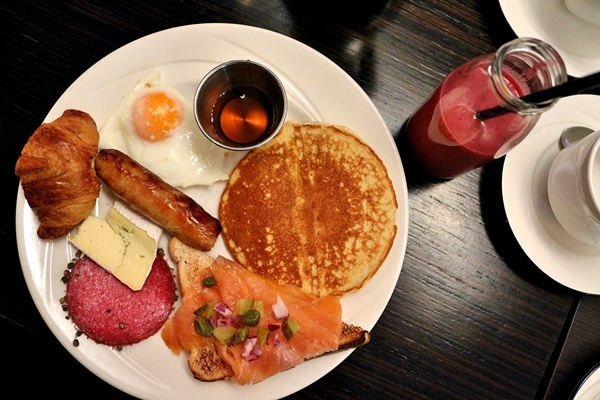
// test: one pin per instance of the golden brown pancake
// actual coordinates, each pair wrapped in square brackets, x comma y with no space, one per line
[314,208]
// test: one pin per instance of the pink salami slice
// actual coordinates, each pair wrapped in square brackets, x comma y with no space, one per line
[109,312]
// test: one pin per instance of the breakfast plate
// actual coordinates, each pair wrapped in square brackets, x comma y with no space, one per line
[574,38]
[317,90]
[524,188]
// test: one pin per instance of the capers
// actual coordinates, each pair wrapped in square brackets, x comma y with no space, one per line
[203,326]
[251,317]
[209,281]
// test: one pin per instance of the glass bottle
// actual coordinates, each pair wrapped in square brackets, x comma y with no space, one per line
[449,136]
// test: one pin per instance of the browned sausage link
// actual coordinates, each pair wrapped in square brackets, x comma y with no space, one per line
[160,202]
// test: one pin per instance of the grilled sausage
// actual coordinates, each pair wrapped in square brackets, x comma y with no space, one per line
[160,202]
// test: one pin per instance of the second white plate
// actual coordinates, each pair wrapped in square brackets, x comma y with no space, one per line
[524,189]
[589,387]
[577,41]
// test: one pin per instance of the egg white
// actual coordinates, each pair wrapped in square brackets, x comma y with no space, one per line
[184,159]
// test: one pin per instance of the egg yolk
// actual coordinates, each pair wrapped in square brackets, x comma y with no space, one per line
[156,115]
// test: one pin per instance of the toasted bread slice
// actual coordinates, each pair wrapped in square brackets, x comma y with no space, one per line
[204,361]
[190,264]
[353,336]
[207,365]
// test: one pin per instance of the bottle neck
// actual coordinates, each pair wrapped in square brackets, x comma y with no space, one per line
[525,66]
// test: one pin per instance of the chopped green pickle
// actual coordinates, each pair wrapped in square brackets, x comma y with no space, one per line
[258,306]
[263,335]
[224,334]
[201,310]
[241,335]
[203,326]
[243,305]
[251,317]
[206,310]
[290,327]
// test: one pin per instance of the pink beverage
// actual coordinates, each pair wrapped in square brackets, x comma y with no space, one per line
[445,134]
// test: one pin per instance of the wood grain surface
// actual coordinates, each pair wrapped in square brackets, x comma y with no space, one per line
[471,316]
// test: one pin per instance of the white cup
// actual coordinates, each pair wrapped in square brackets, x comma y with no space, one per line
[574,189]
[587,10]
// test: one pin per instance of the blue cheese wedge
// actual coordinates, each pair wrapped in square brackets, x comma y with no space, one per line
[139,220]
[118,245]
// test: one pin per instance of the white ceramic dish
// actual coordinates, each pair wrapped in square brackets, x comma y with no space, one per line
[524,189]
[571,189]
[317,90]
[588,10]
[574,38]
[589,387]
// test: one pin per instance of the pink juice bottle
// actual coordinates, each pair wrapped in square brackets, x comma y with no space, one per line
[447,135]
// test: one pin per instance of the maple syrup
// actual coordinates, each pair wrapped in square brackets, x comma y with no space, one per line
[243,114]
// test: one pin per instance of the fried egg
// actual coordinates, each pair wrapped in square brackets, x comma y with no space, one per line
[154,124]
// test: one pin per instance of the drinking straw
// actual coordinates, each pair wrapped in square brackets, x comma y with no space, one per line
[574,86]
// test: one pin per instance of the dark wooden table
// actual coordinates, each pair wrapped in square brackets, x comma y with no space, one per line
[471,316]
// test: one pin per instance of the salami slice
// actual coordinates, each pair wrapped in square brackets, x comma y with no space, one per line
[109,312]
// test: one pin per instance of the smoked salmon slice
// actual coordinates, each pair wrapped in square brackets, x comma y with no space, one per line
[253,358]
[319,321]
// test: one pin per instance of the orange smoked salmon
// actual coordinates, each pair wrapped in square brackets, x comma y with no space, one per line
[320,321]
[255,357]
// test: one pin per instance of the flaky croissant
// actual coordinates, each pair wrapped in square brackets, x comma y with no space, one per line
[57,175]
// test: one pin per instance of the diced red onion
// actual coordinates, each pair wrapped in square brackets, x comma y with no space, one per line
[219,321]
[222,309]
[236,321]
[251,350]
[280,309]
[276,339]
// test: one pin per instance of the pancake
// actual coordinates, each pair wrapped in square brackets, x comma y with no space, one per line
[314,208]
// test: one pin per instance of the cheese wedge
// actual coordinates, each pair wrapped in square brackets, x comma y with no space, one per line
[118,245]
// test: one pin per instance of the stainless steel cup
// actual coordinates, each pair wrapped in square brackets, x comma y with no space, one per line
[240,105]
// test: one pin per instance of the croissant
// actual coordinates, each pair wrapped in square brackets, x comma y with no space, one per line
[57,175]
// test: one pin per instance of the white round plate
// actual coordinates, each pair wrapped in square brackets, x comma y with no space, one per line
[524,188]
[589,387]
[575,39]
[318,90]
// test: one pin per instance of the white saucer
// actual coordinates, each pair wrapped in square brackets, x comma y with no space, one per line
[577,40]
[562,257]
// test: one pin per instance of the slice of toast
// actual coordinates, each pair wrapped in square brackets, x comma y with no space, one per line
[205,363]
